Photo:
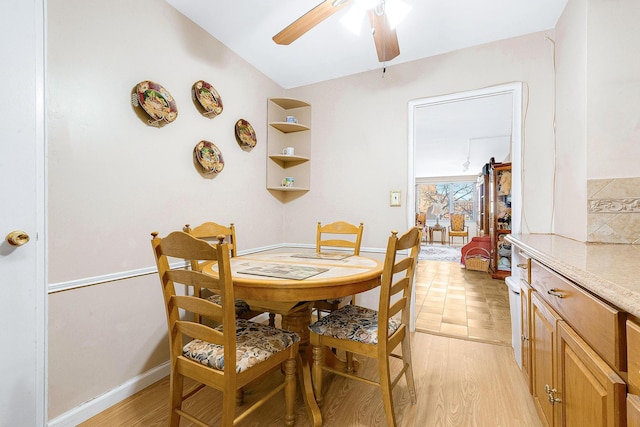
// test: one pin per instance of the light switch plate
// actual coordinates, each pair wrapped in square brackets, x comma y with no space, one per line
[395,198]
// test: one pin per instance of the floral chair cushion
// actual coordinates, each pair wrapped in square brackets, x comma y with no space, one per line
[457,222]
[241,305]
[354,323]
[255,343]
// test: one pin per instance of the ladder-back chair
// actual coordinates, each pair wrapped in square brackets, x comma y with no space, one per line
[354,329]
[344,236]
[210,231]
[226,357]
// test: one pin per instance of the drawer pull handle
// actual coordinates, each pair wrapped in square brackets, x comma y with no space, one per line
[555,293]
[523,338]
[525,266]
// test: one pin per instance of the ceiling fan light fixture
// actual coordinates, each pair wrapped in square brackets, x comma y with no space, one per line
[367,4]
[396,11]
[353,19]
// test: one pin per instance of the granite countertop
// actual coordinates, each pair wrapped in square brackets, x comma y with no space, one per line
[611,271]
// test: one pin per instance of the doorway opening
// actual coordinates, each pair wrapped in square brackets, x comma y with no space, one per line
[444,152]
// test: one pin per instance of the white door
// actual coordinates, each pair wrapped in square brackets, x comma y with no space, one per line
[22,208]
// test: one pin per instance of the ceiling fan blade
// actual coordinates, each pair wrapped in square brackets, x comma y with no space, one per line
[385,38]
[309,20]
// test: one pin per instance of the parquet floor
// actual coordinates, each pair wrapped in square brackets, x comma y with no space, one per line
[452,301]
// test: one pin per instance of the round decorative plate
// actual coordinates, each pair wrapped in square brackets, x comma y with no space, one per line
[208,97]
[209,157]
[245,133]
[156,101]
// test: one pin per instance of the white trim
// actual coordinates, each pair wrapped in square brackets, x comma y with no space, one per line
[513,88]
[93,407]
[439,179]
[123,275]
[41,299]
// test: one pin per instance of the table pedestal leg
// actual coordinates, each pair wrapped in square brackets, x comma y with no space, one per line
[298,321]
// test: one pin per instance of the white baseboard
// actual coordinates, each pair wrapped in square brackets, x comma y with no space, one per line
[93,407]
[100,403]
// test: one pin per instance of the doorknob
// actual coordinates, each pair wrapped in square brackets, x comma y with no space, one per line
[17,238]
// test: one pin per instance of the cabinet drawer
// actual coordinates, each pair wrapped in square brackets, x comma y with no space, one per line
[598,323]
[524,265]
[633,356]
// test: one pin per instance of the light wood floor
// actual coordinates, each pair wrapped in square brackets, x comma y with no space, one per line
[460,382]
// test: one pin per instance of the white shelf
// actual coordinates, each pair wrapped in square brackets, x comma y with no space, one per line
[288,127]
[282,135]
[288,161]
[286,189]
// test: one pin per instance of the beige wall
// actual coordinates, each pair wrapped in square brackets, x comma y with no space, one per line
[613,89]
[570,180]
[359,146]
[598,125]
[112,179]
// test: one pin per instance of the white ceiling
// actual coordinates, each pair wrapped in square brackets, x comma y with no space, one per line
[329,50]
[448,134]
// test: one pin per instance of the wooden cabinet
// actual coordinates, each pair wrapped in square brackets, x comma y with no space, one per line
[543,358]
[589,392]
[482,197]
[525,328]
[288,127]
[577,350]
[500,219]
[633,364]
[523,263]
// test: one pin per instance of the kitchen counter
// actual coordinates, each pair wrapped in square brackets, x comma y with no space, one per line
[610,271]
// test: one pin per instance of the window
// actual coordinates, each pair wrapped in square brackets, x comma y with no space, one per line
[455,197]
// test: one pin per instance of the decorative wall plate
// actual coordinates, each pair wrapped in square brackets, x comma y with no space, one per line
[245,134]
[156,101]
[209,157]
[208,98]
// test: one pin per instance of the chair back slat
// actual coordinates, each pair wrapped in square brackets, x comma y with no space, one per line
[331,236]
[193,278]
[210,231]
[399,286]
[199,306]
[402,265]
[397,306]
[200,331]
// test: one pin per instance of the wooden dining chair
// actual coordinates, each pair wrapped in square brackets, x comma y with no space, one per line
[337,235]
[354,329]
[210,231]
[229,356]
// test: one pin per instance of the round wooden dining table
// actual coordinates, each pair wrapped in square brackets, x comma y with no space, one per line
[288,284]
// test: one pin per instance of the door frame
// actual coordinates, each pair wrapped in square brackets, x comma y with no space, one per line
[515,89]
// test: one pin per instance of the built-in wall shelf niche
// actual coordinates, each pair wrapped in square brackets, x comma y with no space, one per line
[288,148]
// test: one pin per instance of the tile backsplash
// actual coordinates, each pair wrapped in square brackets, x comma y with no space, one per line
[613,210]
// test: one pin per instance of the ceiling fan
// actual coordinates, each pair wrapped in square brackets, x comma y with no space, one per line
[382,26]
